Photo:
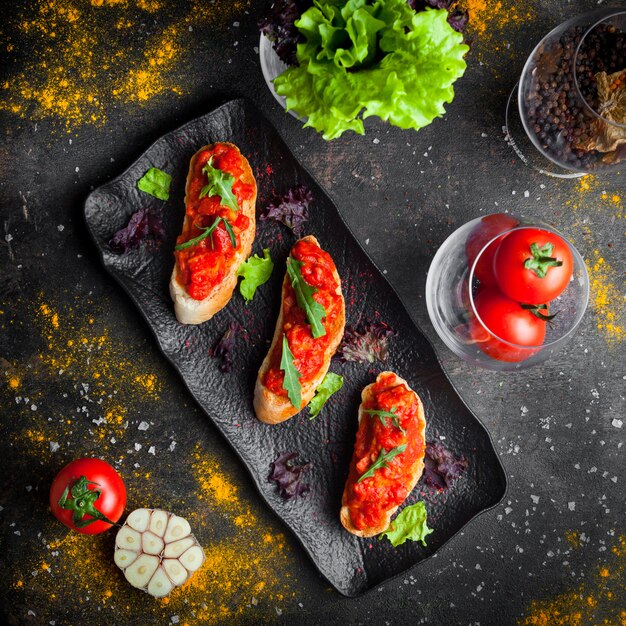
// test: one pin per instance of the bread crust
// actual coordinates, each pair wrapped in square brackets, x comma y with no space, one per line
[416,469]
[271,408]
[187,309]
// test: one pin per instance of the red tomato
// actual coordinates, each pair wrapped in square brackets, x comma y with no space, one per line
[88,496]
[488,227]
[533,265]
[507,320]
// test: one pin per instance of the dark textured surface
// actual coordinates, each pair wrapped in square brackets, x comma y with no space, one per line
[549,547]
[350,563]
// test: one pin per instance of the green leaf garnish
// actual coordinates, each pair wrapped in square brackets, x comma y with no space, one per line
[541,259]
[383,415]
[255,272]
[304,295]
[409,525]
[330,385]
[291,381]
[382,460]
[208,231]
[156,182]
[220,184]
[231,234]
[380,57]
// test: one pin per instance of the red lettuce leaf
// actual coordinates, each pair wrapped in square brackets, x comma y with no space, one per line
[441,467]
[458,19]
[226,345]
[286,472]
[142,225]
[366,343]
[277,24]
[292,209]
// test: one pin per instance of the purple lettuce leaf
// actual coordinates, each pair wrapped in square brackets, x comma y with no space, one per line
[292,209]
[286,472]
[225,346]
[277,24]
[420,5]
[458,19]
[366,343]
[441,467]
[142,225]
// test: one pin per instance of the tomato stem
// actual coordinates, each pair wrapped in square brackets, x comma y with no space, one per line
[541,259]
[82,502]
[536,309]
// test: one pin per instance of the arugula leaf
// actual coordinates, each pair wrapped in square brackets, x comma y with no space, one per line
[330,385]
[156,182]
[383,415]
[207,232]
[255,272]
[304,295]
[291,382]
[382,460]
[220,184]
[409,525]
[231,234]
[377,58]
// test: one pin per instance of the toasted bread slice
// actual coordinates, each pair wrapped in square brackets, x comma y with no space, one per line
[272,408]
[189,310]
[415,471]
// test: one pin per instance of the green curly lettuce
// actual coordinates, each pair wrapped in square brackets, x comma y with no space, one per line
[409,525]
[372,57]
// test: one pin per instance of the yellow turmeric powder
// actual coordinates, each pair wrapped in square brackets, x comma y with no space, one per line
[86,64]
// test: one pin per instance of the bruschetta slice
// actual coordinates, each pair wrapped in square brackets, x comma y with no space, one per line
[217,234]
[388,457]
[308,331]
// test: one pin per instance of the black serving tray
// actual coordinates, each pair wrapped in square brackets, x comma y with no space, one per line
[352,565]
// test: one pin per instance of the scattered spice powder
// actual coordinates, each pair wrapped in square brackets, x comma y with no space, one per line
[599,600]
[608,301]
[488,15]
[86,63]
[249,564]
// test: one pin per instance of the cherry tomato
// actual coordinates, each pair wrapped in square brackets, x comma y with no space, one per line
[508,321]
[488,227]
[533,265]
[88,496]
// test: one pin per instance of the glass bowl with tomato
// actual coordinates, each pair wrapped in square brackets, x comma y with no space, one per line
[505,293]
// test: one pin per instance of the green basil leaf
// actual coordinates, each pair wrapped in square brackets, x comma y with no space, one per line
[330,385]
[291,382]
[220,184]
[409,525]
[255,271]
[155,182]
[315,312]
[382,460]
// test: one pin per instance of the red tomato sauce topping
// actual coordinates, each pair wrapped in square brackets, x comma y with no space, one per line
[370,499]
[204,265]
[318,270]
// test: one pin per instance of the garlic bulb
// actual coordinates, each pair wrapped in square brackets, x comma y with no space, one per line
[156,551]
